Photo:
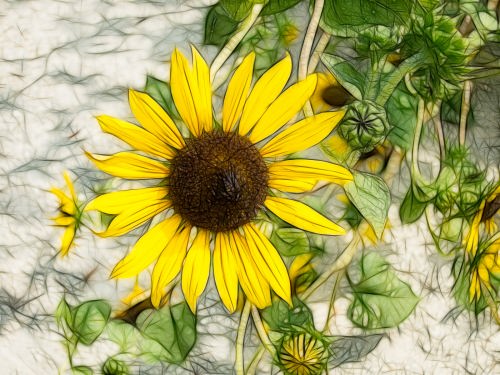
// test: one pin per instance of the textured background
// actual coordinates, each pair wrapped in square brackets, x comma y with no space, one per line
[62,63]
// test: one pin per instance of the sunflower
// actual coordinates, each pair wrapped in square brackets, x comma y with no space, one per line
[212,184]
[302,354]
[484,264]
[69,214]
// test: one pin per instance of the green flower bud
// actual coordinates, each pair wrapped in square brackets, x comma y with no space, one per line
[364,125]
[302,354]
[114,366]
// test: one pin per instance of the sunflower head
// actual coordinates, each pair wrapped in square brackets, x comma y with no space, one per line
[483,265]
[302,354]
[212,184]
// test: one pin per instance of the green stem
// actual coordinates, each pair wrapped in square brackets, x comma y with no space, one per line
[409,65]
[464,111]
[318,51]
[240,338]
[235,40]
[340,263]
[262,331]
[415,171]
[252,367]
[331,309]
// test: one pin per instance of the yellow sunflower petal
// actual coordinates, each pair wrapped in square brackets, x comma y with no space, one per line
[129,165]
[169,264]
[302,135]
[264,92]
[154,119]
[119,201]
[225,274]
[64,201]
[71,188]
[196,268]
[318,170]
[302,216]
[191,91]
[147,248]
[291,185]
[135,136]
[283,108]
[67,240]
[203,101]
[132,218]
[252,282]
[268,261]
[237,92]
[64,220]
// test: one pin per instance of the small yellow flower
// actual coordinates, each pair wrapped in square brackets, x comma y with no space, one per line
[302,354]
[328,94]
[290,34]
[212,184]
[485,264]
[69,214]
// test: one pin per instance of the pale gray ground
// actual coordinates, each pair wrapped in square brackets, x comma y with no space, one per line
[62,63]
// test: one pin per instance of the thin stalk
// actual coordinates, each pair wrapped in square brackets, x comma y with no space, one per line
[264,338]
[438,127]
[331,308]
[231,45]
[342,262]
[318,51]
[464,111]
[252,367]
[240,338]
[415,171]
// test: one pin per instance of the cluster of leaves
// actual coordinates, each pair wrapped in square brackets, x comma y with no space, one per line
[164,335]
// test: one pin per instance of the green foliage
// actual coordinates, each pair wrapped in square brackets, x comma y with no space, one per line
[402,116]
[282,317]
[347,74]
[371,196]
[113,366]
[161,93]
[461,287]
[82,370]
[347,17]
[411,208]
[219,26]
[89,320]
[278,6]
[346,349]
[292,241]
[172,327]
[380,298]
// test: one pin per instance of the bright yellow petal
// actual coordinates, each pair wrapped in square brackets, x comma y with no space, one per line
[129,165]
[305,169]
[237,92]
[291,185]
[137,137]
[119,201]
[66,204]
[132,218]
[225,273]
[71,188]
[268,261]
[169,264]
[154,119]
[264,92]
[252,282]
[63,220]
[191,91]
[283,108]
[67,240]
[302,135]
[472,239]
[136,292]
[203,100]
[147,249]
[196,268]
[302,216]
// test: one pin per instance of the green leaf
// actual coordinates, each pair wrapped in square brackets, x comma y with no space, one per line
[371,196]
[82,370]
[347,17]
[381,299]
[352,348]
[63,314]
[411,208]
[238,10]
[89,320]
[281,317]
[219,26]
[277,6]
[114,366]
[401,108]
[461,287]
[125,335]
[347,75]
[174,328]
[290,241]
[161,93]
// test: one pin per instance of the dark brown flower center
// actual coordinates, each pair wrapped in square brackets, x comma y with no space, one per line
[218,181]
[335,96]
